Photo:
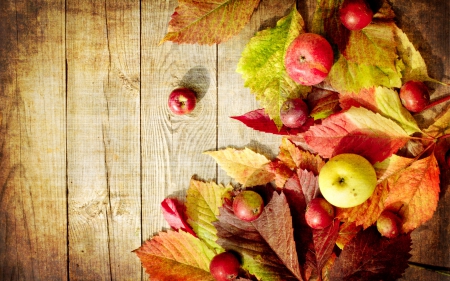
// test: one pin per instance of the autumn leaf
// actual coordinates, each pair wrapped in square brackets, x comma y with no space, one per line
[415,66]
[203,200]
[174,213]
[321,249]
[347,231]
[245,166]
[296,158]
[391,166]
[349,77]
[267,243]
[441,125]
[357,130]
[262,65]
[209,22]
[384,101]
[414,191]
[297,203]
[367,213]
[281,171]
[366,58]
[373,45]
[175,256]
[260,121]
[370,257]
[325,106]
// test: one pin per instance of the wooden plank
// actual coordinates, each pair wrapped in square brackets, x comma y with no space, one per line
[233,98]
[172,145]
[33,228]
[103,58]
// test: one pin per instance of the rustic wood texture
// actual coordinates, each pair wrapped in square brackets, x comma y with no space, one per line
[89,148]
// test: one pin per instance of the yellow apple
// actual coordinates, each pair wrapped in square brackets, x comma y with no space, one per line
[347,180]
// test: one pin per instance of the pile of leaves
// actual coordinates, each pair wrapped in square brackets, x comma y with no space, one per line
[356,110]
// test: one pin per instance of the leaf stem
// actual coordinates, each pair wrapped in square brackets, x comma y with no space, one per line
[444,99]
[439,269]
[444,136]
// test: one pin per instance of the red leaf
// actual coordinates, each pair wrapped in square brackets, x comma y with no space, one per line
[260,121]
[322,247]
[309,183]
[370,257]
[269,239]
[365,98]
[297,203]
[174,213]
[359,131]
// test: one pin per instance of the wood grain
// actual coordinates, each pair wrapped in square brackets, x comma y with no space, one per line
[172,146]
[89,148]
[103,139]
[33,236]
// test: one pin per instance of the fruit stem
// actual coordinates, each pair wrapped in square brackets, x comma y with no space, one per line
[439,269]
[444,99]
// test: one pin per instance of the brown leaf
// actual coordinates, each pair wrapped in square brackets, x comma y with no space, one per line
[370,257]
[269,240]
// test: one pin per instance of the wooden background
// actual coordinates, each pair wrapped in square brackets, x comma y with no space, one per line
[89,148]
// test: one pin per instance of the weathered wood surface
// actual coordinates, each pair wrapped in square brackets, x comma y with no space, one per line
[89,148]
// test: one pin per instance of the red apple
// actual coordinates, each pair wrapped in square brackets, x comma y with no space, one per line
[308,59]
[414,95]
[248,205]
[388,224]
[224,267]
[319,213]
[355,14]
[182,101]
[294,113]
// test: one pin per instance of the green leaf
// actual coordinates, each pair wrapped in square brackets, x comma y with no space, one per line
[415,67]
[366,58]
[262,65]
[384,101]
[373,45]
[389,105]
[349,77]
[176,256]
[202,207]
[209,22]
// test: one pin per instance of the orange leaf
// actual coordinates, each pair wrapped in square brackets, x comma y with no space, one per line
[368,212]
[209,22]
[415,191]
[297,158]
[176,256]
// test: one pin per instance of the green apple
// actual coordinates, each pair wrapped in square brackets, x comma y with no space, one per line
[347,180]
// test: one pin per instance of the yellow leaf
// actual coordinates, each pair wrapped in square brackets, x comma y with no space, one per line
[245,166]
